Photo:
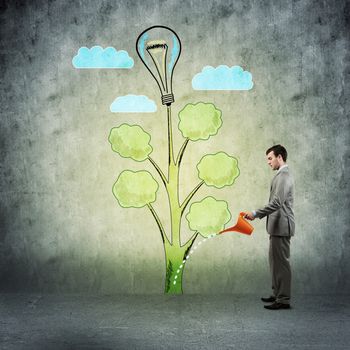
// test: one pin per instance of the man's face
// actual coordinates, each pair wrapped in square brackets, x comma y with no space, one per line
[273,161]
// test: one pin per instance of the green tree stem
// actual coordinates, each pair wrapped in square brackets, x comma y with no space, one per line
[174,252]
[190,242]
[189,197]
[160,226]
[174,259]
[181,152]
[175,214]
[175,266]
[159,171]
[170,137]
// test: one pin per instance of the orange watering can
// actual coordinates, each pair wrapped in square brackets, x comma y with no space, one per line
[242,226]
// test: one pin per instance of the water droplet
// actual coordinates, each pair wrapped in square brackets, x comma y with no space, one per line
[180,266]
[187,257]
[177,271]
[176,277]
[174,282]
[183,261]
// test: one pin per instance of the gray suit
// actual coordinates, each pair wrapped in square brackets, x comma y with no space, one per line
[279,210]
[280,225]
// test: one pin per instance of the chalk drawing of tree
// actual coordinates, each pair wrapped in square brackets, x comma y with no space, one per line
[197,122]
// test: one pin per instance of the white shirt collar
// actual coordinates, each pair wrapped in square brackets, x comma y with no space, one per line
[283,166]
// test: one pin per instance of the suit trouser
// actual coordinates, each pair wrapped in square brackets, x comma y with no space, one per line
[279,254]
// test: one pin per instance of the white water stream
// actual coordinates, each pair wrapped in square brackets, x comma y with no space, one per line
[191,252]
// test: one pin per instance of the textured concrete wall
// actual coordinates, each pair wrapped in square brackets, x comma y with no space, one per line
[61,228]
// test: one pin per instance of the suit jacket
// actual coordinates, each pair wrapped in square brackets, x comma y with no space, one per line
[279,210]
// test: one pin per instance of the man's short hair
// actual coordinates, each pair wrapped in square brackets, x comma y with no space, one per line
[278,150]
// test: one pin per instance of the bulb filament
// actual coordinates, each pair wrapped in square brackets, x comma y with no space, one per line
[158,50]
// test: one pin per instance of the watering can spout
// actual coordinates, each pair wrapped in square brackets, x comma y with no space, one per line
[242,226]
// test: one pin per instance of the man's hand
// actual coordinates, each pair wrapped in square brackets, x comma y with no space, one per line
[249,215]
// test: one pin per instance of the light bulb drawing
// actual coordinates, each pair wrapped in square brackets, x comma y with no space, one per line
[159,49]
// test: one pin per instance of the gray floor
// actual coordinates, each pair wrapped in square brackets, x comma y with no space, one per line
[171,322]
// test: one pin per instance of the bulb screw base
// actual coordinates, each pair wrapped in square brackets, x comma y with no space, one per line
[168,99]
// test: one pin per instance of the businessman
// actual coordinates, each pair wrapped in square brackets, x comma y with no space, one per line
[280,226]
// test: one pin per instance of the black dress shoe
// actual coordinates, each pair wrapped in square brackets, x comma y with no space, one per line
[277,306]
[268,300]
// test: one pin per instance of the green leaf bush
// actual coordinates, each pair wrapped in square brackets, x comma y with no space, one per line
[208,216]
[199,121]
[218,169]
[130,141]
[135,189]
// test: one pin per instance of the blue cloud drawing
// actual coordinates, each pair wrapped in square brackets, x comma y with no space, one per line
[222,78]
[97,57]
[133,104]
